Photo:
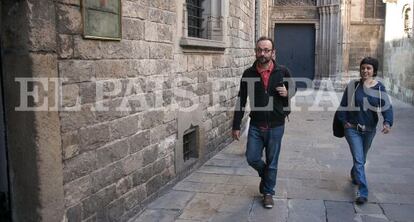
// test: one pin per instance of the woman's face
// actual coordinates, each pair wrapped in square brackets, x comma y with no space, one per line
[367,71]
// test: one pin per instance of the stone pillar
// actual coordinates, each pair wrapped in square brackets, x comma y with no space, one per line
[343,37]
[322,49]
[35,162]
[317,51]
[329,39]
[264,10]
[334,39]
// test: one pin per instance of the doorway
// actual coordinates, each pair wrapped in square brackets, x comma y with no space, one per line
[295,48]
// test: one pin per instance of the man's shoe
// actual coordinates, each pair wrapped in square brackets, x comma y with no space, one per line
[261,186]
[268,201]
[361,200]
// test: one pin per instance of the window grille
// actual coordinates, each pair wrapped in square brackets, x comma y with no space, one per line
[195,18]
[189,144]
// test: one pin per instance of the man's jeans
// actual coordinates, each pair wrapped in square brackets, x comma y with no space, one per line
[359,143]
[269,139]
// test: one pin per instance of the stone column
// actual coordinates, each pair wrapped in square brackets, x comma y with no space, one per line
[334,39]
[322,49]
[317,51]
[33,137]
[329,40]
[343,36]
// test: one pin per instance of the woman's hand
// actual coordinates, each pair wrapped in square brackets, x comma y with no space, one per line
[347,125]
[386,128]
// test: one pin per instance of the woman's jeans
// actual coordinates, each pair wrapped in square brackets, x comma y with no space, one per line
[269,139]
[359,143]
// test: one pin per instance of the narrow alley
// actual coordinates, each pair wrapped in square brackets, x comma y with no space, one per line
[313,181]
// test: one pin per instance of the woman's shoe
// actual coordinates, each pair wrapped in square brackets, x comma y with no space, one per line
[361,200]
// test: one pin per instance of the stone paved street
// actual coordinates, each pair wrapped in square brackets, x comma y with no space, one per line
[313,182]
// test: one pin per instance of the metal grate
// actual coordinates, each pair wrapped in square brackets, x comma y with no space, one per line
[195,18]
[189,144]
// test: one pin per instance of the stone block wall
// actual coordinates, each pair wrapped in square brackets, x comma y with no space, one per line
[118,146]
[367,39]
[290,12]
[399,52]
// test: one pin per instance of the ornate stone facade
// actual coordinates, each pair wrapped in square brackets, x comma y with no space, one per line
[341,34]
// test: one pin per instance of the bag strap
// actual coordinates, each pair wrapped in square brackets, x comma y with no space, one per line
[380,105]
[353,94]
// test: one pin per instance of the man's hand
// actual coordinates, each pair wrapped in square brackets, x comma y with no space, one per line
[235,134]
[386,129]
[282,91]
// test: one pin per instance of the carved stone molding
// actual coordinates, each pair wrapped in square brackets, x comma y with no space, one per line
[390,1]
[295,2]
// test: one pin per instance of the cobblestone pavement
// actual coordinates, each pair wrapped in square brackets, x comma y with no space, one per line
[313,182]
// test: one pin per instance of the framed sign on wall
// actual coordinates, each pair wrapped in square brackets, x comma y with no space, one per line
[102,19]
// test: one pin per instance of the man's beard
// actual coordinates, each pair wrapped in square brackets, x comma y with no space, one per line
[263,60]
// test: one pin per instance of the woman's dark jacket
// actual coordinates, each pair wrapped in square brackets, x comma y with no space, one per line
[367,102]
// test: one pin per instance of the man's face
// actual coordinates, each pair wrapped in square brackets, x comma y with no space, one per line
[264,51]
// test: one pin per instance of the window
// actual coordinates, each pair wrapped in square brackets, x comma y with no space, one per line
[374,9]
[204,24]
[195,18]
[190,144]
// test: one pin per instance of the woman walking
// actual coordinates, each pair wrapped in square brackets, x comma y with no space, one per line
[360,105]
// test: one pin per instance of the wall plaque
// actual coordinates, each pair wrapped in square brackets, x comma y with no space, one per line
[102,19]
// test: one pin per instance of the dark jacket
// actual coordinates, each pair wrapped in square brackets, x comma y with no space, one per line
[366,104]
[267,106]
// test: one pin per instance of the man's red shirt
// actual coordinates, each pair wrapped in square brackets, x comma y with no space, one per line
[265,73]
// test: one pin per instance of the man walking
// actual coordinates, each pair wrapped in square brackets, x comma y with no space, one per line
[266,84]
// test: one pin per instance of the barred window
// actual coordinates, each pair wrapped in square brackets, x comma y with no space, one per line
[195,18]
[374,9]
[190,144]
[204,25]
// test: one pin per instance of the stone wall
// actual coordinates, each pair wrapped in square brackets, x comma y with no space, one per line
[28,47]
[116,161]
[294,14]
[366,40]
[398,53]
[366,37]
